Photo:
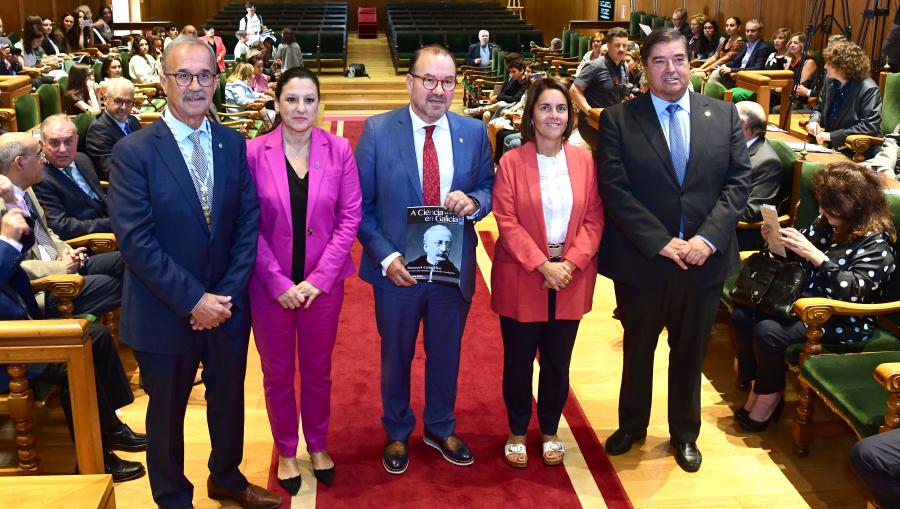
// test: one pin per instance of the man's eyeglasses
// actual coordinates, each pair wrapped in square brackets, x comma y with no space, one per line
[39,154]
[185,79]
[130,102]
[429,83]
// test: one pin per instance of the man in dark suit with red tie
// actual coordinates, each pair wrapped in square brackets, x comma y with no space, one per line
[114,124]
[673,172]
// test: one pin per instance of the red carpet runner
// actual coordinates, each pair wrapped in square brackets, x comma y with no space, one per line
[356,436]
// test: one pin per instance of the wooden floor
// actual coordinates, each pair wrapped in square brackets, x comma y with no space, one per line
[739,470]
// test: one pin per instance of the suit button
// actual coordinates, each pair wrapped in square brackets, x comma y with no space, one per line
[308,232]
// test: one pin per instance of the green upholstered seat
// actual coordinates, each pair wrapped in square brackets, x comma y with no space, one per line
[634,31]
[584,44]
[847,382]
[67,65]
[696,82]
[82,121]
[565,41]
[63,83]
[125,57]
[309,44]
[890,107]
[407,44]
[658,22]
[96,68]
[526,37]
[881,341]
[739,94]
[574,39]
[48,96]
[508,40]
[714,90]
[15,37]
[28,112]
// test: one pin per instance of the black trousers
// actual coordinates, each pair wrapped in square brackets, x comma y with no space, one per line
[687,312]
[102,290]
[168,380]
[876,460]
[113,390]
[554,339]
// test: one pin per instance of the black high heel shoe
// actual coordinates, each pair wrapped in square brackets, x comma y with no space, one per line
[325,476]
[741,414]
[749,424]
[290,485]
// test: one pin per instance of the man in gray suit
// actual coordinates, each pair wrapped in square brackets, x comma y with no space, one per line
[888,157]
[766,174]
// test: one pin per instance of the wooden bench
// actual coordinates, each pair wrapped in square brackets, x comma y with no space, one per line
[69,491]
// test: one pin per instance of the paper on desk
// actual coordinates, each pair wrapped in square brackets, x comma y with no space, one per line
[772,128]
[645,28]
[812,148]
[770,218]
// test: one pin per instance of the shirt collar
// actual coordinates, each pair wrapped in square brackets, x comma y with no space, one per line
[20,193]
[179,129]
[660,105]
[71,165]
[418,123]
[752,140]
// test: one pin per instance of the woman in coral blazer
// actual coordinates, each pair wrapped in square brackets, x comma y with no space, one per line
[310,208]
[550,218]
[215,42]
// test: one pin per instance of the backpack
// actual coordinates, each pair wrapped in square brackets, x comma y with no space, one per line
[356,71]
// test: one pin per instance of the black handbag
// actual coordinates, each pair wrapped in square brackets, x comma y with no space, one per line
[769,283]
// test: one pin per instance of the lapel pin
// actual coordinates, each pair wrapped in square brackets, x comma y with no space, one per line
[317,164]
[707,113]
[460,140]
[220,144]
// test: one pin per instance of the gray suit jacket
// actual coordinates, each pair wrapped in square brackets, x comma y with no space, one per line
[31,260]
[765,178]
[889,155]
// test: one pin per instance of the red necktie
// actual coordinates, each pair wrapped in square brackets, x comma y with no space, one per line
[431,177]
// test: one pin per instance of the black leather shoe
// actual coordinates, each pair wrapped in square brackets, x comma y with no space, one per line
[452,448]
[124,439]
[395,456]
[324,475]
[290,485]
[687,455]
[621,441]
[741,414]
[122,470]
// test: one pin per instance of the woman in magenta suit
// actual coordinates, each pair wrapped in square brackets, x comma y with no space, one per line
[550,220]
[310,208]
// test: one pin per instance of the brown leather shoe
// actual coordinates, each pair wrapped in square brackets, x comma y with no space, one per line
[253,496]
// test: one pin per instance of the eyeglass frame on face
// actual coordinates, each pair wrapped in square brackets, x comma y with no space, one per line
[39,153]
[182,74]
[443,82]
[118,101]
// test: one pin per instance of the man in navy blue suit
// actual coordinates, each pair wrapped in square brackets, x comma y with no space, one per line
[185,213]
[413,156]
[752,56]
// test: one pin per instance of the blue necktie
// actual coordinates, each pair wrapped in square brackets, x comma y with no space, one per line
[127,128]
[677,143]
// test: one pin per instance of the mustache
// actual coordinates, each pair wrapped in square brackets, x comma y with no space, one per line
[198,95]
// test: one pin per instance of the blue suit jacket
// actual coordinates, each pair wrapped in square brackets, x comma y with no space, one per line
[171,254]
[757,61]
[389,177]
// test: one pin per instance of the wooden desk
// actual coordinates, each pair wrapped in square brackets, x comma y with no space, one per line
[69,491]
[762,83]
[42,341]
[12,87]
[811,156]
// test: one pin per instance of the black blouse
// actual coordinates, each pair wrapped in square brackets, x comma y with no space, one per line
[299,191]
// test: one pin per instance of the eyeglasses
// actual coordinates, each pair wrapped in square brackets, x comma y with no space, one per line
[39,154]
[130,102]
[447,84]
[184,79]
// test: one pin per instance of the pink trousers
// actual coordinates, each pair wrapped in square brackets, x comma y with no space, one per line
[281,335]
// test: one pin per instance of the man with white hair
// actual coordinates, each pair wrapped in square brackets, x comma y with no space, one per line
[113,125]
[766,174]
[480,52]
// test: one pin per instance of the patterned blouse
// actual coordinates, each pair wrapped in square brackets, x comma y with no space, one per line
[854,272]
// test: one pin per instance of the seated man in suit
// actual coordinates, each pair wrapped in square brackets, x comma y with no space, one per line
[102,291]
[765,184]
[887,160]
[111,126]
[70,191]
[752,56]
[480,52]
[17,303]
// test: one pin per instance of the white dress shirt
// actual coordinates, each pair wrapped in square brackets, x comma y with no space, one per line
[556,195]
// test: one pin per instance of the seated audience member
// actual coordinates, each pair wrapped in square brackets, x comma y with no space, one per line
[69,33]
[508,137]
[698,44]
[142,66]
[110,68]
[787,56]
[634,70]
[190,30]
[711,34]
[509,94]
[171,34]
[82,31]
[17,302]
[103,27]
[600,83]
[70,192]
[856,231]
[680,22]
[555,45]
[887,160]
[876,460]
[102,290]
[808,70]
[729,46]
[850,102]
[765,184]
[53,44]
[259,82]
[597,42]
[30,45]
[239,92]
[241,48]
[9,63]
[111,126]
[156,48]
[288,54]
[81,96]
[752,57]
[215,42]
[481,51]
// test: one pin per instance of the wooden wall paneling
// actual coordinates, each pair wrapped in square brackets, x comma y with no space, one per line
[666,7]
[778,14]
[700,7]
[647,6]
[740,8]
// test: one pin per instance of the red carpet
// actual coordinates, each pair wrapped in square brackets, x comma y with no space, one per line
[356,436]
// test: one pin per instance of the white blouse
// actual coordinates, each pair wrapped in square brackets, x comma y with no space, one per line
[143,69]
[556,195]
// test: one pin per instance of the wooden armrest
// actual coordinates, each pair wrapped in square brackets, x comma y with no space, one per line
[888,375]
[15,332]
[147,93]
[860,144]
[241,115]
[96,242]
[743,255]
[32,72]
[819,309]
[480,82]
[63,287]
[245,107]
[783,220]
